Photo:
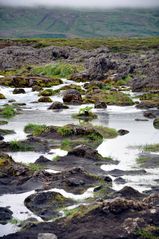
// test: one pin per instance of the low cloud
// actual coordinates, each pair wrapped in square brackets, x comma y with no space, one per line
[83,3]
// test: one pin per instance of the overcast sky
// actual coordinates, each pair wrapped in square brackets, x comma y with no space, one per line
[83,3]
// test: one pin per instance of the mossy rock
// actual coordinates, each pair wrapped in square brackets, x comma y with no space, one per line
[109,97]
[47,92]
[3,122]
[2,97]
[47,204]
[87,116]
[45,99]
[156,123]
[5,160]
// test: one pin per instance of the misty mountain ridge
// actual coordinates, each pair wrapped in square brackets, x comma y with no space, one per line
[64,23]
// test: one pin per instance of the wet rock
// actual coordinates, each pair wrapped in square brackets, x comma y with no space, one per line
[57,106]
[141,120]
[85,152]
[36,88]
[100,105]
[108,179]
[6,131]
[120,180]
[118,172]
[5,215]
[18,91]
[47,236]
[122,132]
[47,204]
[72,97]
[2,97]
[1,137]
[147,104]
[156,123]
[151,114]
[129,193]
[45,99]
[42,160]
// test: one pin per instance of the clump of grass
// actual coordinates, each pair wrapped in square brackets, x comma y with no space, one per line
[19,146]
[149,232]
[34,167]
[151,148]
[35,129]
[65,131]
[106,132]
[66,145]
[85,114]
[8,111]
[142,159]
[58,70]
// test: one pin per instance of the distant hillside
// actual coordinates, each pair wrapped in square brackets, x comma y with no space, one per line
[59,23]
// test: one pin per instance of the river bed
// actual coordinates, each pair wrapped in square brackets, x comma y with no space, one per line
[120,148]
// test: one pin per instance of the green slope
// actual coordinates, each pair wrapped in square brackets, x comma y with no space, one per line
[41,22]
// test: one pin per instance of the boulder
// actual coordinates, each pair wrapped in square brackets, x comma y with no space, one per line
[156,123]
[47,204]
[42,160]
[100,105]
[18,91]
[129,193]
[1,137]
[45,99]
[98,66]
[57,106]
[5,215]
[122,132]
[84,151]
[72,97]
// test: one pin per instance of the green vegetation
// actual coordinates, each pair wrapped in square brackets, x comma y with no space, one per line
[2,97]
[41,23]
[151,148]
[106,132]
[156,123]
[2,122]
[66,144]
[47,92]
[65,130]
[142,159]
[45,99]
[19,146]
[85,114]
[109,97]
[34,167]
[79,211]
[7,111]
[58,70]
[149,232]
[35,129]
